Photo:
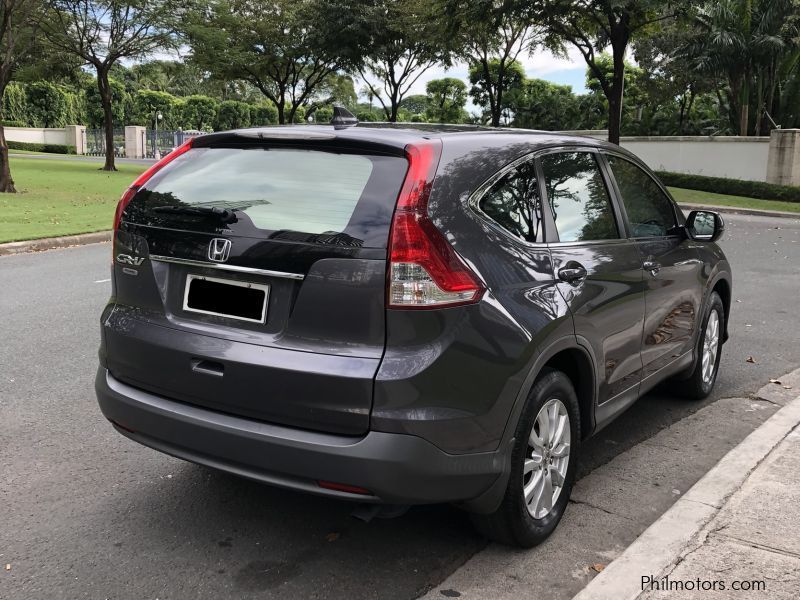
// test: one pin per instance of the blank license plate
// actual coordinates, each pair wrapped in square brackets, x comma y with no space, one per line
[226,298]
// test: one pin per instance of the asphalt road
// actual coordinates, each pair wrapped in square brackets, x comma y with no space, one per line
[87,513]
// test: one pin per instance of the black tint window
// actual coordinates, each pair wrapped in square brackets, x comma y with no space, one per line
[649,209]
[513,203]
[578,197]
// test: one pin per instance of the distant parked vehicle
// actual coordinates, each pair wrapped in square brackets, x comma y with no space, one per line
[404,315]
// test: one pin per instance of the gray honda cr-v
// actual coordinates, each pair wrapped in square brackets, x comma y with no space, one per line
[402,315]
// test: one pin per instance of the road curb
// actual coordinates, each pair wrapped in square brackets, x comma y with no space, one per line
[740,211]
[666,541]
[54,242]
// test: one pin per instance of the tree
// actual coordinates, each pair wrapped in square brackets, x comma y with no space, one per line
[490,36]
[263,113]
[495,86]
[96,111]
[232,114]
[416,104]
[335,89]
[18,22]
[15,104]
[593,25]
[147,104]
[101,32]
[285,48]
[679,92]
[47,104]
[446,100]
[544,105]
[745,40]
[198,112]
[401,45]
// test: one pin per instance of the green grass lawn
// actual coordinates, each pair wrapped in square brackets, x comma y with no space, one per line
[698,197]
[61,197]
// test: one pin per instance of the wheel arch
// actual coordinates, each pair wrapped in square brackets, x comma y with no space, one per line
[577,361]
[722,286]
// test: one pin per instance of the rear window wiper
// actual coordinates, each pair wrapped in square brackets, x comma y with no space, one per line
[225,215]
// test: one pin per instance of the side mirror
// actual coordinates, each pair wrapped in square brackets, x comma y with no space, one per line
[705,225]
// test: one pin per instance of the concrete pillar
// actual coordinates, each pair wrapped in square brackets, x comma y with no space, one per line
[76,136]
[783,164]
[134,141]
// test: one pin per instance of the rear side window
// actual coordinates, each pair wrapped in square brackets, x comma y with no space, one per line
[286,193]
[649,209]
[513,203]
[578,197]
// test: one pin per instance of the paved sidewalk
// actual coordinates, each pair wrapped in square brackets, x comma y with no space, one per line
[733,535]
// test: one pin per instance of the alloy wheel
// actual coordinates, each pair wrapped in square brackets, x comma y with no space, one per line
[547,458]
[710,347]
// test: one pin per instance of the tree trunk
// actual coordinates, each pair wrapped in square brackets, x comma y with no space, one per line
[616,93]
[681,114]
[744,105]
[497,110]
[394,103]
[6,182]
[104,87]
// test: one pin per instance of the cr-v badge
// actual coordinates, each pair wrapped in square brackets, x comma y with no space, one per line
[127,259]
[219,249]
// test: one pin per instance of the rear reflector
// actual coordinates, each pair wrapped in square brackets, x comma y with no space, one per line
[343,487]
[424,269]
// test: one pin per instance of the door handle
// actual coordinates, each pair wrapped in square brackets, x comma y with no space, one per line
[572,272]
[208,367]
[652,266]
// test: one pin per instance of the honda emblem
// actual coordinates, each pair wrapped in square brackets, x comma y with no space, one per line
[219,249]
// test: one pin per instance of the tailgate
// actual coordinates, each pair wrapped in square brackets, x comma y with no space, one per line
[269,307]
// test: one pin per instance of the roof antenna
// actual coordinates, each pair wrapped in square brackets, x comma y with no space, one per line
[343,118]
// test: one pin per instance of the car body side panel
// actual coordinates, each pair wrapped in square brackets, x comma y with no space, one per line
[608,308]
[673,299]
[452,376]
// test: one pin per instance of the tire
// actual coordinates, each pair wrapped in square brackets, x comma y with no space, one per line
[699,382]
[513,523]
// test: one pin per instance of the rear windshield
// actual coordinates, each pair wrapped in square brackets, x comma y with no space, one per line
[304,195]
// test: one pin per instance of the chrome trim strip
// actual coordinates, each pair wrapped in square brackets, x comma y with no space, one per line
[222,267]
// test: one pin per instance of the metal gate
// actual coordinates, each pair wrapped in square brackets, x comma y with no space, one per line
[96,142]
[164,141]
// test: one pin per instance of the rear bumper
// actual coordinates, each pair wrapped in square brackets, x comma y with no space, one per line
[395,468]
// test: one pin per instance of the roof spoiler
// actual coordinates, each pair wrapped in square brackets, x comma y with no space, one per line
[343,118]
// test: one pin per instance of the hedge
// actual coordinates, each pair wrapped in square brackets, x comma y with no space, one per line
[732,187]
[50,148]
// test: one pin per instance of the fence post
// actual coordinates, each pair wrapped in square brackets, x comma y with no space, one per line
[134,146]
[76,136]
[783,164]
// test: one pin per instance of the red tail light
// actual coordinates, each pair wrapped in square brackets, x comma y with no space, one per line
[424,269]
[128,195]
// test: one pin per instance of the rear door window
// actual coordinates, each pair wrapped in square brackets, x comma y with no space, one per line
[578,197]
[285,193]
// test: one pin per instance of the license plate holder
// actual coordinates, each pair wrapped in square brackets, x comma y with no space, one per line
[228,298]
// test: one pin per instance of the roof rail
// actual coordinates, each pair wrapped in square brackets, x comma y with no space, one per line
[343,118]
